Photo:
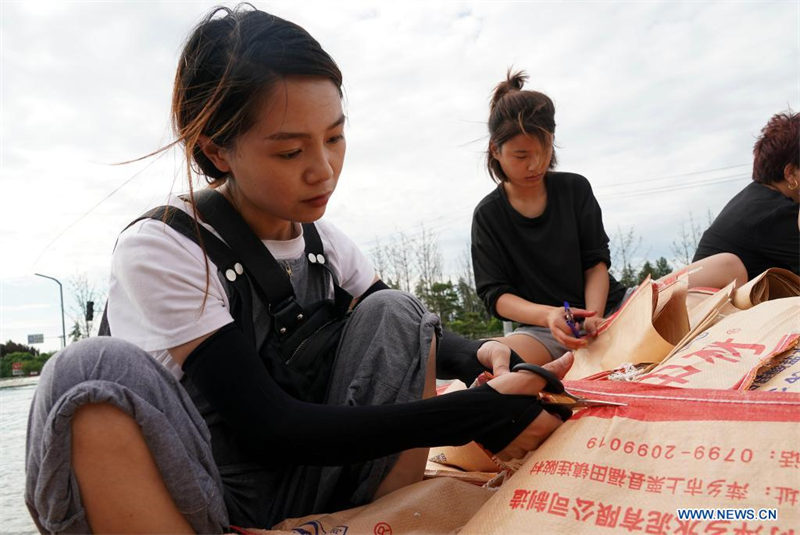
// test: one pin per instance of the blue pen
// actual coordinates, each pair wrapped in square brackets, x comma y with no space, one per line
[571,320]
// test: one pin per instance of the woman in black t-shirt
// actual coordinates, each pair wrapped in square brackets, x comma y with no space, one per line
[760,223]
[538,239]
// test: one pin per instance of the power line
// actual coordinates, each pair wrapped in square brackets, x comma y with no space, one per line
[664,189]
[93,208]
[442,222]
[645,180]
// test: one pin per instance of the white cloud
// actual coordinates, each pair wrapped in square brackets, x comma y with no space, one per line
[642,91]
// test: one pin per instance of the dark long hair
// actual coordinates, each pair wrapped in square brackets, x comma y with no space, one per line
[516,111]
[231,61]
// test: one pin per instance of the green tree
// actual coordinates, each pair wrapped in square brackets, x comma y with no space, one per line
[13,347]
[83,293]
[471,318]
[9,359]
[623,247]
[441,298]
[415,262]
[33,366]
[76,333]
[30,363]
[662,268]
[656,271]
[685,245]
[627,276]
[469,301]
[647,269]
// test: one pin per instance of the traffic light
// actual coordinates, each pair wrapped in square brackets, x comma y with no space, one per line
[89,310]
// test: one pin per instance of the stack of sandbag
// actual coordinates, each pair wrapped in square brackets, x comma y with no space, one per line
[638,468]
[666,330]
[782,375]
[708,441]
[711,424]
[433,506]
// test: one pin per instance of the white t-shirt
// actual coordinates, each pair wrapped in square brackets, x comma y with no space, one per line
[159,279]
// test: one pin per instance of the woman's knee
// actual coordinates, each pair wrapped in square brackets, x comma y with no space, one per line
[390,335]
[94,420]
[391,303]
[530,349]
[120,483]
[99,358]
[88,352]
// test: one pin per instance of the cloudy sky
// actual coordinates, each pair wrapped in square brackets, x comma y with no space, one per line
[657,103]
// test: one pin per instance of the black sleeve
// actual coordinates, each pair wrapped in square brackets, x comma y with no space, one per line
[593,237]
[229,373]
[377,286]
[457,358]
[491,279]
[781,248]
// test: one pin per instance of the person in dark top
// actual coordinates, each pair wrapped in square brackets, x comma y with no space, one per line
[538,239]
[547,254]
[760,223]
[116,443]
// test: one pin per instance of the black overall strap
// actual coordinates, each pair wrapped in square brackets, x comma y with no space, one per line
[268,277]
[315,252]
[222,256]
[219,253]
[316,256]
[313,244]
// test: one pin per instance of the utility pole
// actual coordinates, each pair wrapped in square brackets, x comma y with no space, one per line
[61,295]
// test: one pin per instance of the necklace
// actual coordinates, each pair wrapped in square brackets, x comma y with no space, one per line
[288,267]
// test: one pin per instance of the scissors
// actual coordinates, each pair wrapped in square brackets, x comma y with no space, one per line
[555,398]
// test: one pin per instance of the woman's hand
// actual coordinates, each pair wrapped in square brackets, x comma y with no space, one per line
[561,331]
[495,356]
[529,384]
[526,383]
[591,324]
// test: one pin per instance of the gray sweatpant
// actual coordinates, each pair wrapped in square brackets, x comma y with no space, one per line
[381,360]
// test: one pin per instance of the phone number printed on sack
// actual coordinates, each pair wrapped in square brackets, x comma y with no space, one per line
[671,451]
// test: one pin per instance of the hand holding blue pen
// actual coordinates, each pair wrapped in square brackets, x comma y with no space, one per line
[570,319]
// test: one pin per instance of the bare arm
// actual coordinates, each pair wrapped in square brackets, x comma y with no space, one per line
[179,353]
[596,295]
[358,298]
[521,310]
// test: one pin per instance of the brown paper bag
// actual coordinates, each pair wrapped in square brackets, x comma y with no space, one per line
[434,469]
[470,457]
[774,283]
[432,506]
[705,307]
[729,354]
[705,314]
[781,376]
[628,470]
[649,324]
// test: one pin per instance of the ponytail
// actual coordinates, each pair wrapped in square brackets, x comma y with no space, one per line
[514,111]
[513,82]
